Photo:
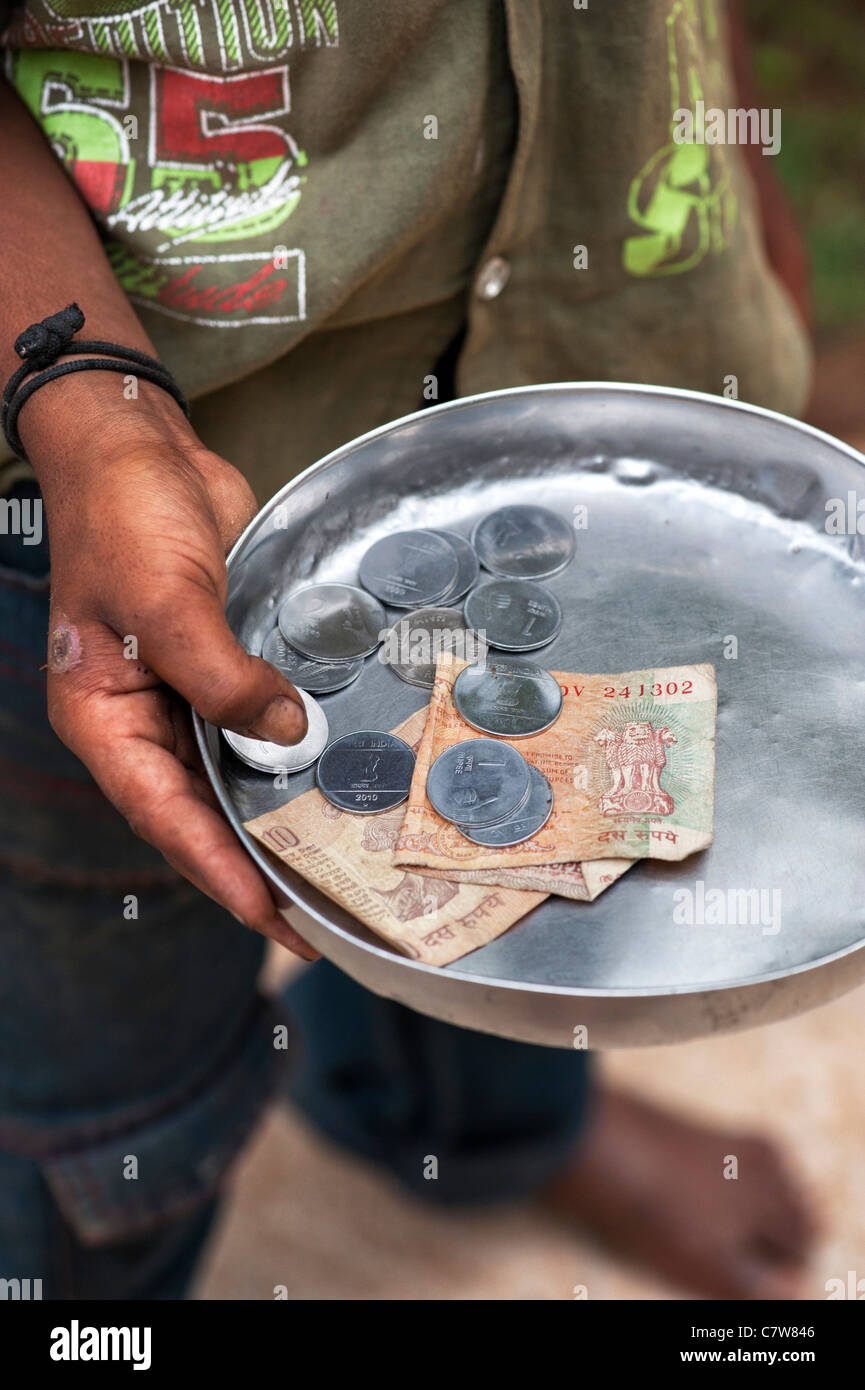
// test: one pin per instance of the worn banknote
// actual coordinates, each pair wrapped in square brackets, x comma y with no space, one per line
[582,882]
[631,760]
[350,858]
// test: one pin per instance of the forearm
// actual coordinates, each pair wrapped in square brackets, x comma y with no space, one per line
[50,255]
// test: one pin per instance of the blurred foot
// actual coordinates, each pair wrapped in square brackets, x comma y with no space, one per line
[651,1187]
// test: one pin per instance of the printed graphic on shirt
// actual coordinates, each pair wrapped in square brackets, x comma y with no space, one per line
[223,291]
[682,198]
[216,35]
[216,162]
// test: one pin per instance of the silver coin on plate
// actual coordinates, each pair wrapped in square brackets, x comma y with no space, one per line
[511,699]
[409,569]
[523,542]
[478,782]
[319,677]
[520,825]
[282,757]
[516,615]
[332,622]
[468,566]
[366,772]
[413,645]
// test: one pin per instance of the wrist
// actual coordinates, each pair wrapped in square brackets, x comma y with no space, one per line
[76,423]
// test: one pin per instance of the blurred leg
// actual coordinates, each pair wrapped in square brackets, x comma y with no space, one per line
[500,1118]
[37,1244]
[135,1054]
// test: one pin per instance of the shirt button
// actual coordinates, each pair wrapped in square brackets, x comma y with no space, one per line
[492,278]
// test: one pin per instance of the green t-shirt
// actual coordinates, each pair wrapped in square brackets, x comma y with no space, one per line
[307,201]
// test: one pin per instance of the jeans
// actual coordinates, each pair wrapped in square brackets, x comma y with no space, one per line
[136,1053]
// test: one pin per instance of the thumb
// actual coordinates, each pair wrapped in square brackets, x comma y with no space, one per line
[190,646]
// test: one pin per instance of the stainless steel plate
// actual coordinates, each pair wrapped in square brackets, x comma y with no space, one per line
[702,537]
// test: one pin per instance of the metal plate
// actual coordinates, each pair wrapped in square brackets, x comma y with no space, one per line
[702,537]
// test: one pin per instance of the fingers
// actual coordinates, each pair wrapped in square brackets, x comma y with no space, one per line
[190,646]
[138,747]
[159,799]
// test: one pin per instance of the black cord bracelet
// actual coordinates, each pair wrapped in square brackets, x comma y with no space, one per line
[42,343]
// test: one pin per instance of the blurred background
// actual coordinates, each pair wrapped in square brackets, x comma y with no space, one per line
[303,1216]
[809,60]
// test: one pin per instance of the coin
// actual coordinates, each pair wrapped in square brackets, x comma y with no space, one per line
[523,542]
[520,825]
[332,622]
[478,782]
[414,643]
[516,615]
[366,772]
[280,757]
[320,677]
[508,698]
[468,566]
[409,569]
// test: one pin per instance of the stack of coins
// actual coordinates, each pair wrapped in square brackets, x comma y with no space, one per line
[513,612]
[326,631]
[489,792]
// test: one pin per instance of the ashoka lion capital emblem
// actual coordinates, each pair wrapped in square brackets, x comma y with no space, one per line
[635,755]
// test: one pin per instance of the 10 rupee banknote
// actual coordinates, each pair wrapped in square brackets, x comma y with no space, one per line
[430,916]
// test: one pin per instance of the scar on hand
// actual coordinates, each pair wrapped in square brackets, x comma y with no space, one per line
[64,647]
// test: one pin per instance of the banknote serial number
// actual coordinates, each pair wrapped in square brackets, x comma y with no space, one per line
[629,692]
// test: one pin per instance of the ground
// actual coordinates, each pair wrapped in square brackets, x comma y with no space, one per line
[303,1216]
